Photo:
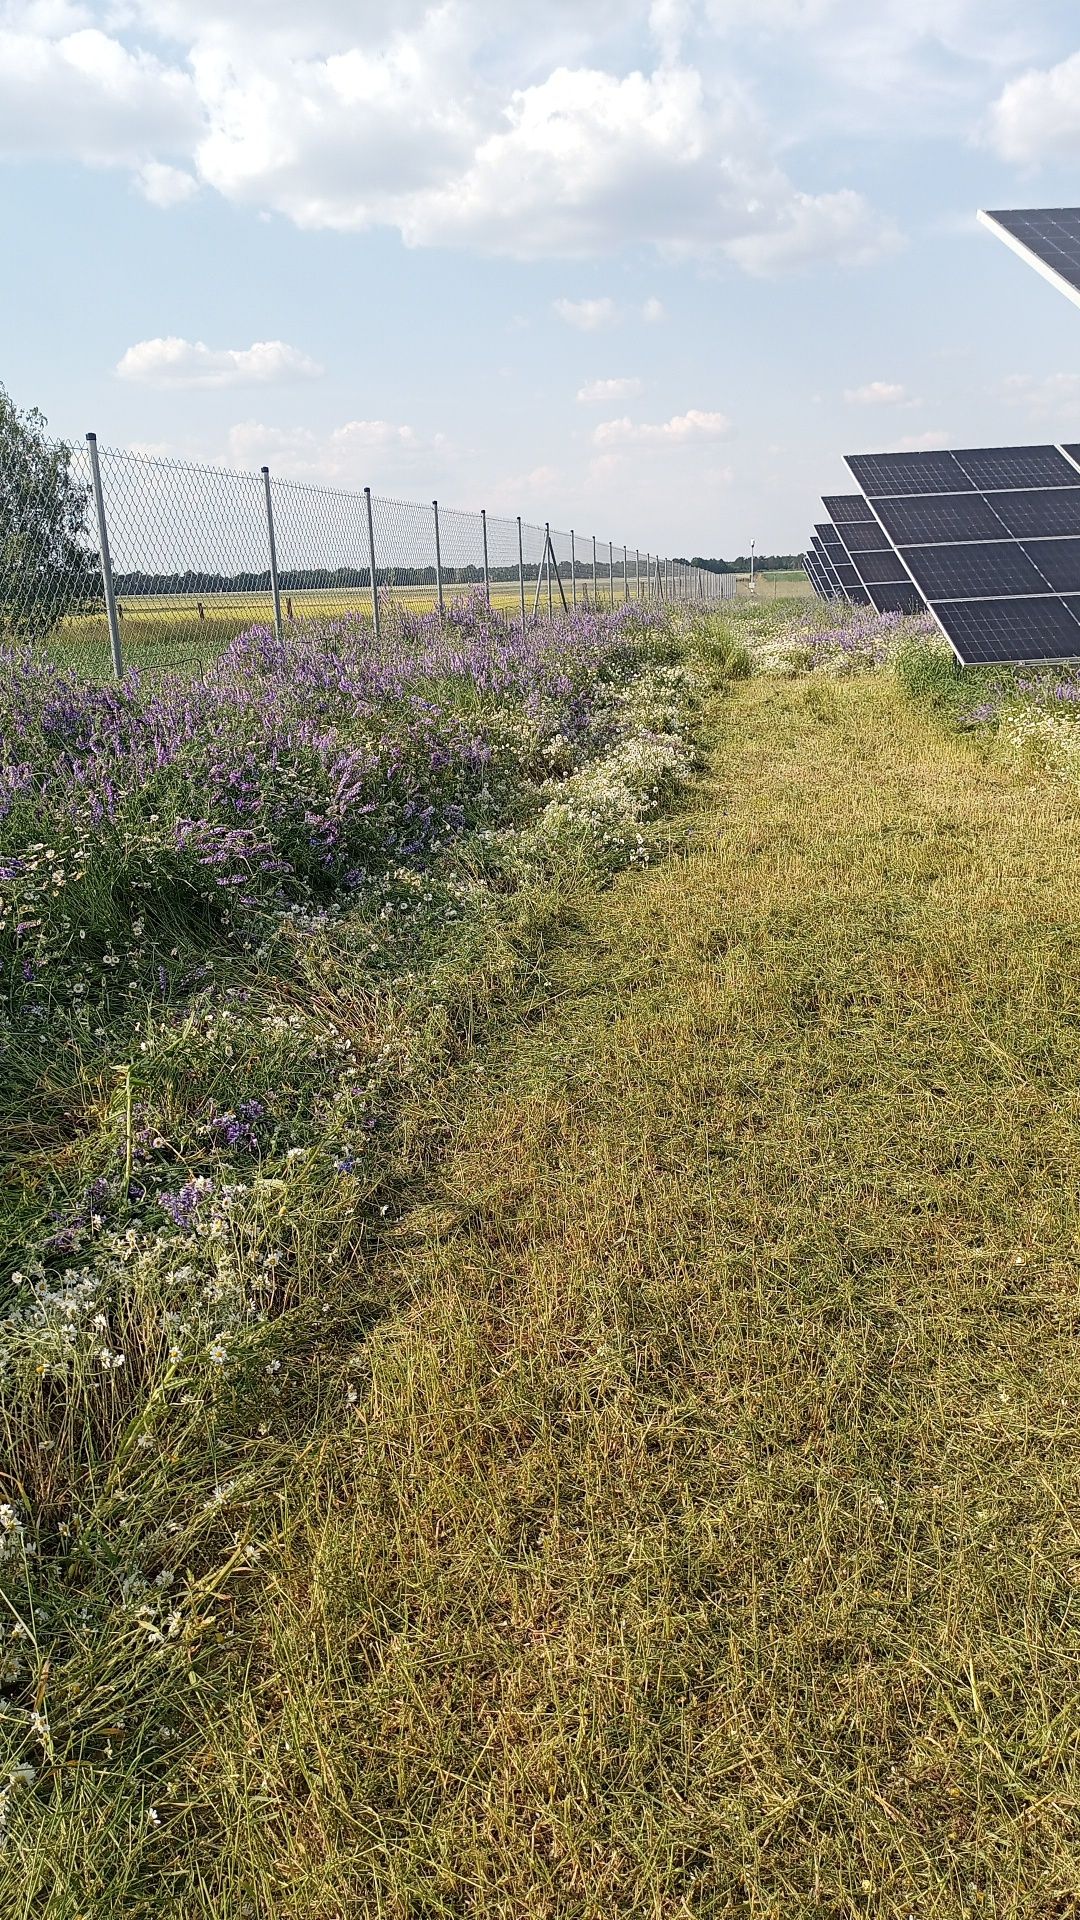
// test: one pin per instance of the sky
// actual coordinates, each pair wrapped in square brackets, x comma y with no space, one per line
[649,270]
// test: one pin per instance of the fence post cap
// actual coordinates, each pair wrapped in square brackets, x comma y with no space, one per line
[264,469]
[91,436]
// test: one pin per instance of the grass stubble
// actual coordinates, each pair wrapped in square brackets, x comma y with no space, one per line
[698,1534]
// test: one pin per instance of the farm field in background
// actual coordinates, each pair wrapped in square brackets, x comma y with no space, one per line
[536,1353]
[182,632]
[170,632]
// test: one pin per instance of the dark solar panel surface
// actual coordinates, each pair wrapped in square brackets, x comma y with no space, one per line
[877,568]
[996,630]
[881,475]
[985,571]
[941,517]
[994,467]
[1052,234]
[895,597]
[865,536]
[1056,510]
[991,537]
[1058,561]
[842,507]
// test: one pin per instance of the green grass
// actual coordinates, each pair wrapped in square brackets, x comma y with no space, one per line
[680,1519]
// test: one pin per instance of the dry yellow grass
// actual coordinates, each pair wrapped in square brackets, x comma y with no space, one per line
[705,1539]
[702,1537]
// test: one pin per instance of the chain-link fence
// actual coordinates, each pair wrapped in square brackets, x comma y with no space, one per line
[121,560]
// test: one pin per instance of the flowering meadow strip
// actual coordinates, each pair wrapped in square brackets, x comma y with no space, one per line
[245,920]
[828,639]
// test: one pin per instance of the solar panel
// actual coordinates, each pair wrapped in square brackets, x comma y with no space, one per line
[842,507]
[880,475]
[865,536]
[989,570]
[994,551]
[1058,561]
[985,631]
[940,517]
[895,596]
[879,568]
[1048,238]
[991,467]
[1056,510]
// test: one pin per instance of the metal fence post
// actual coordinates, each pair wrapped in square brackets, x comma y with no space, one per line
[487,572]
[274,584]
[106,562]
[438,561]
[637,573]
[547,567]
[595,588]
[573,567]
[371,564]
[625,577]
[521,573]
[611,573]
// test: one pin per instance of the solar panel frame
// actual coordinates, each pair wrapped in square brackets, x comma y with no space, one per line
[1028,231]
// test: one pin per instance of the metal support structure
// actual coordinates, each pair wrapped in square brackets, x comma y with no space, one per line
[637,573]
[659,580]
[595,587]
[521,572]
[106,562]
[625,577]
[573,567]
[274,584]
[438,561]
[487,570]
[371,564]
[611,574]
[549,556]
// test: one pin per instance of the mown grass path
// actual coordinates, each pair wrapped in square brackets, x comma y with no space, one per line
[709,1539]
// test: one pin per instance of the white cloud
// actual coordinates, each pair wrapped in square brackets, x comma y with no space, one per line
[603,392]
[589,316]
[1056,395]
[356,454]
[683,430]
[456,124]
[876,393]
[653,312]
[838,227]
[87,95]
[165,186]
[1037,116]
[932,441]
[172,362]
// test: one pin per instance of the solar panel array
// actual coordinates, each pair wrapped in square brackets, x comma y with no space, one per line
[1048,238]
[990,536]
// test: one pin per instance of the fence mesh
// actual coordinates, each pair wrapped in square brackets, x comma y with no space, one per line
[198,553]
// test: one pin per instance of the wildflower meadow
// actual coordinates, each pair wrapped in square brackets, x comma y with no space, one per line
[247,919]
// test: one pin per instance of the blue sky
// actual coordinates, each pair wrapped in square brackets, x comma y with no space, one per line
[643,269]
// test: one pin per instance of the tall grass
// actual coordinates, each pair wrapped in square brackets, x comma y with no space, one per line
[249,923]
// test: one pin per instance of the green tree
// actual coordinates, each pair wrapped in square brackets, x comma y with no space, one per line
[48,563]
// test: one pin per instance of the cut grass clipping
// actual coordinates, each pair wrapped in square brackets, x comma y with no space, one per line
[667,1506]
